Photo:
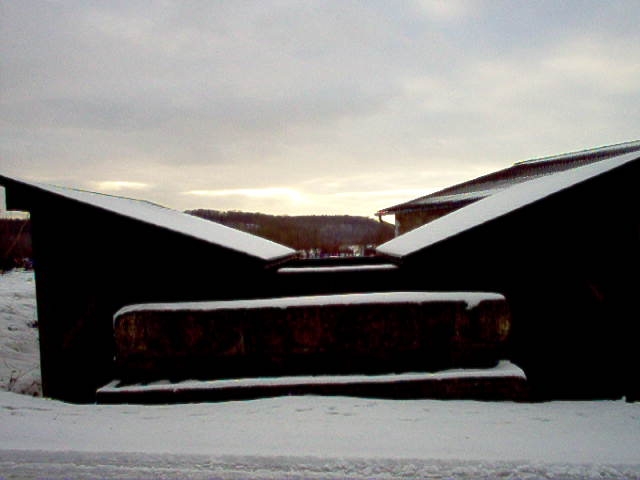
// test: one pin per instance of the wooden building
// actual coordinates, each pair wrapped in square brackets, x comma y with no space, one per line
[97,253]
[417,212]
[564,249]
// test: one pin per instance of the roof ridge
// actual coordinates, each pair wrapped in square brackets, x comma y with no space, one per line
[624,147]
[459,188]
[503,203]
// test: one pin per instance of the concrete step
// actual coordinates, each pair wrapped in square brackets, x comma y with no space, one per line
[373,333]
[502,382]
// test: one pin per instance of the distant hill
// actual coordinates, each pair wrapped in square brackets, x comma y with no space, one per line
[329,233]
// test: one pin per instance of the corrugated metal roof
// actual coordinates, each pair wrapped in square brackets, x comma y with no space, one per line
[500,204]
[487,185]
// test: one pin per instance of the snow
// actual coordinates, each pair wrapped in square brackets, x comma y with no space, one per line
[175,221]
[19,350]
[471,299]
[340,268]
[504,369]
[328,437]
[497,205]
[307,436]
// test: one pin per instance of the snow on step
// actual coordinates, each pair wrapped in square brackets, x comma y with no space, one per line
[470,299]
[505,381]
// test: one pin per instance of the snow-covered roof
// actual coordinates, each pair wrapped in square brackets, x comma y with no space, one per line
[464,193]
[497,205]
[336,269]
[470,299]
[169,219]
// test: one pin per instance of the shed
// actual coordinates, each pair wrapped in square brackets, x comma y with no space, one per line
[422,210]
[96,253]
[564,248]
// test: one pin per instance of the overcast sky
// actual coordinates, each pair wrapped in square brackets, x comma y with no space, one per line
[299,107]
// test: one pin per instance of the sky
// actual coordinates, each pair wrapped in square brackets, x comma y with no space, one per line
[307,107]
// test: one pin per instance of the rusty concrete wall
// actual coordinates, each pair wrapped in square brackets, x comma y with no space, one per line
[327,339]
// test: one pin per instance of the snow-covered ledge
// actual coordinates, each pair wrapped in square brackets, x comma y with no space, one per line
[505,381]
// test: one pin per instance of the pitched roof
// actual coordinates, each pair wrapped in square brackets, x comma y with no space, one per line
[167,218]
[468,192]
[507,200]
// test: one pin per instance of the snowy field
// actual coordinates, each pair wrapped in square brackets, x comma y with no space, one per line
[296,437]
[19,352]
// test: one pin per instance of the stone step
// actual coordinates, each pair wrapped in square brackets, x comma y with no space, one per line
[502,382]
[372,333]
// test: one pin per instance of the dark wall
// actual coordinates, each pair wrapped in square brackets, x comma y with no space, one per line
[568,266]
[410,220]
[320,277]
[90,263]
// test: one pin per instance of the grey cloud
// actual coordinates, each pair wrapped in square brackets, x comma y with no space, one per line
[151,78]
[287,90]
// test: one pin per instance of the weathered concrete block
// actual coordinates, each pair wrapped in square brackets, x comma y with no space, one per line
[334,334]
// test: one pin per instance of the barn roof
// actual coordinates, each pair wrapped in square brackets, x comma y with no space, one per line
[468,192]
[513,197]
[153,214]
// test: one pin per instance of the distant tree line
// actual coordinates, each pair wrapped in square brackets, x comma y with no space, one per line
[15,243]
[328,233]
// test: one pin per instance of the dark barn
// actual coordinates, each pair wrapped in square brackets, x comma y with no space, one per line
[96,253]
[563,248]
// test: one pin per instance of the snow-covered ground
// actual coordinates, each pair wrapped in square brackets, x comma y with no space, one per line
[322,437]
[19,351]
[303,437]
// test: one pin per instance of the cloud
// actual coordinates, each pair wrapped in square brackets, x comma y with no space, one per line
[287,194]
[337,104]
[384,194]
[294,201]
[447,9]
[119,185]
